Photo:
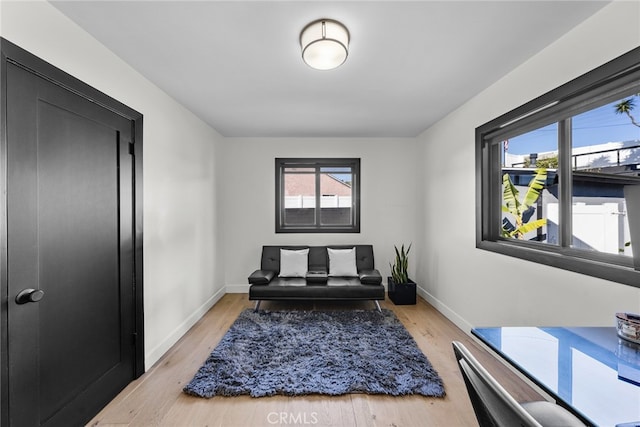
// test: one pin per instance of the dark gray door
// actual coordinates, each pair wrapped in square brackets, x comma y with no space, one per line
[70,248]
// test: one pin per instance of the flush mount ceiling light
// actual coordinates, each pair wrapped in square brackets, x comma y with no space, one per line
[325,44]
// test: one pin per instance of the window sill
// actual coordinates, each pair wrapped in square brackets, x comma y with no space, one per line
[318,230]
[566,261]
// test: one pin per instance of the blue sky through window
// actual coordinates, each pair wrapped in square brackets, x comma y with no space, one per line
[593,127]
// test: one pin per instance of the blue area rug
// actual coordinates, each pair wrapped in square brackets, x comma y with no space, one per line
[316,352]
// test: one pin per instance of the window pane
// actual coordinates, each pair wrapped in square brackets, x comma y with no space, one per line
[336,194]
[317,195]
[605,156]
[293,169]
[336,170]
[529,186]
[299,198]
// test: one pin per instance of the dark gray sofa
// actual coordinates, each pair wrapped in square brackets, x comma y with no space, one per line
[317,285]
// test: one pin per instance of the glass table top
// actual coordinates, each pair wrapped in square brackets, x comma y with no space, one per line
[590,369]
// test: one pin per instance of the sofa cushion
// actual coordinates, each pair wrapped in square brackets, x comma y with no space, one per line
[337,288]
[318,258]
[294,263]
[342,262]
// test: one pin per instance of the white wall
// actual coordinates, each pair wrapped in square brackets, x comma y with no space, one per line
[388,207]
[183,268]
[480,288]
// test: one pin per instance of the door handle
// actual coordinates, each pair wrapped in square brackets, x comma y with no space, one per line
[29,295]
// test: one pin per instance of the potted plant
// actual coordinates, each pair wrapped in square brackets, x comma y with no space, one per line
[400,288]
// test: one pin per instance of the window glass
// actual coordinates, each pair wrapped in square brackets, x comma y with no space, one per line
[299,197]
[317,195]
[528,185]
[294,169]
[605,158]
[335,202]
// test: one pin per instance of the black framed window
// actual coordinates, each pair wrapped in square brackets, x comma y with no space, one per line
[558,179]
[317,195]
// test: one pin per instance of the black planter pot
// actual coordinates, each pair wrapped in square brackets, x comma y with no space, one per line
[401,293]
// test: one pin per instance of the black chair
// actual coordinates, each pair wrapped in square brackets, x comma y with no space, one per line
[495,407]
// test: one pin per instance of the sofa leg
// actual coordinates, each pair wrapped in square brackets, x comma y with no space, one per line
[257,307]
[378,306]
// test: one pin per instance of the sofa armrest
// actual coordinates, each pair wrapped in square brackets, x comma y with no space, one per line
[370,277]
[261,277]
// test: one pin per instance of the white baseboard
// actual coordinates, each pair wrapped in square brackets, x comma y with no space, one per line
[458,320]
[153,355]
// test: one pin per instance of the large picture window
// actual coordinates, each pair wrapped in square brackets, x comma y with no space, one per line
[559,177]
[317,195]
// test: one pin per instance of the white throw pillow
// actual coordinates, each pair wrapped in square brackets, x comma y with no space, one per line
[342,262]
[294,263]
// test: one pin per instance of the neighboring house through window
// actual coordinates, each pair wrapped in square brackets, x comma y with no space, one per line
[318,195]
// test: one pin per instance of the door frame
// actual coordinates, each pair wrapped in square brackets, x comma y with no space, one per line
[11,53]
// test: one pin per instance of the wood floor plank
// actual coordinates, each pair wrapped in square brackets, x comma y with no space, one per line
[156,398]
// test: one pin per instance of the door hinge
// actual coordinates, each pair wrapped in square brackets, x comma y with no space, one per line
[131,148]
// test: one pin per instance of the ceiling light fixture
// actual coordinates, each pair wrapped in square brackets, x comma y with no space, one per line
[325,44]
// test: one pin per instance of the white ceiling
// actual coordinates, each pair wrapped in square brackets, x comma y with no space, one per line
[238,66]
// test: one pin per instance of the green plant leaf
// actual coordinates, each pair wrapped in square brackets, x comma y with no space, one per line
[625,106]
[510,196]
[530,226]
[400,265]
[536,186]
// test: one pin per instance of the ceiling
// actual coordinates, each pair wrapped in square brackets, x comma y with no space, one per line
[237,64]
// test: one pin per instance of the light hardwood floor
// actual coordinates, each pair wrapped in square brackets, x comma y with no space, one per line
[156,398]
